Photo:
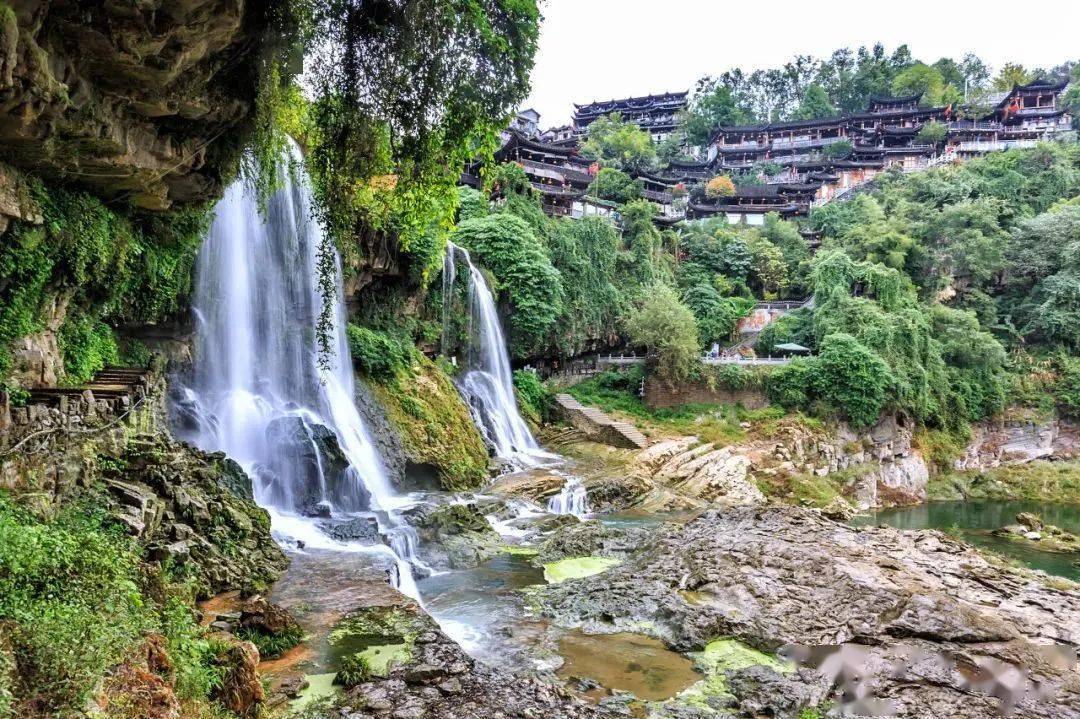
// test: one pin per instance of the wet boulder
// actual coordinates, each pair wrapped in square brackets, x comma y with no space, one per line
[308,468]
[359,529]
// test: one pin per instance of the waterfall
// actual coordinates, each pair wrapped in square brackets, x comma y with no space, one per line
[268,399]
[571,499]
[487,383]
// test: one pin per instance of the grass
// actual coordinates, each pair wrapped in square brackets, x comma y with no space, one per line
[577,568]
[617,393]
[1038,481]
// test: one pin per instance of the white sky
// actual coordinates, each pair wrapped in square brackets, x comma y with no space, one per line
[606,49]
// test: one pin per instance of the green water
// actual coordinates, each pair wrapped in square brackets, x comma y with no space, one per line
[976,521]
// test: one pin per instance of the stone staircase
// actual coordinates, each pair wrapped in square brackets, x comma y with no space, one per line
[599,427]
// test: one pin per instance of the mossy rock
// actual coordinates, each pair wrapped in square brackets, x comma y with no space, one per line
[434,424]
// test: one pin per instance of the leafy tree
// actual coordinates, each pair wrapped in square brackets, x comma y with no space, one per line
[528,283]
[719,186]
[769,267]
[668,331]
[713,104]
[933,133]
[716,316]
[1011,74]
[852,378]
[616,186]
[815,103]
[838,150]
[927,81]
[620,144]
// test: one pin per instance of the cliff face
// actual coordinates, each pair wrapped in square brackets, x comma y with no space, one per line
[142,100]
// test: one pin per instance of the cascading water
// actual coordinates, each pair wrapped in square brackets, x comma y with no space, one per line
[268,399]
[487,383]
[571,499]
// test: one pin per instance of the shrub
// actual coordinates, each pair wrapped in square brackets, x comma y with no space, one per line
[791,386]
[378,354]
[354,669]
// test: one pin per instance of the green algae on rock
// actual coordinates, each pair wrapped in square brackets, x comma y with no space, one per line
[720,656]
[577,568]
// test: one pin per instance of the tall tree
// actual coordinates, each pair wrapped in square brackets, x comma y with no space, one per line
[815,103]
[713,104]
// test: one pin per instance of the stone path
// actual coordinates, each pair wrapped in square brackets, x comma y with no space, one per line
[598,426]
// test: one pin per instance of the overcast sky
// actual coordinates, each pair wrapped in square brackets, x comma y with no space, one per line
[605,49]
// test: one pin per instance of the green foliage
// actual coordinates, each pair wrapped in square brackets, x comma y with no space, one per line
[712,105]
[504,244]
[70,588]
[794,327]
[192,652]
[717,317]
[933,133]
[1067,387]
[270,645]
[378,354]
[86,347]
[927,81]
[619,144]
[815,103]
[838,150]
[791,385]
[471,204]
[668,331]
[852,378]
[616,186]
[353,670]
[533,397]
[587,255]
[119,266]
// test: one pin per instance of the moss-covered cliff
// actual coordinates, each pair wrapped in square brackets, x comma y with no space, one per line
[436,430]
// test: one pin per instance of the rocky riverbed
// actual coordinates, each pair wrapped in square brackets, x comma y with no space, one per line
[920,625]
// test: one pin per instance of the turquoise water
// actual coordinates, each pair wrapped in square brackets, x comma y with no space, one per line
[976,520]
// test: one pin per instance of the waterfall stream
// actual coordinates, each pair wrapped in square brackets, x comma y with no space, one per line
[487,382]
[571,499]
[261,393]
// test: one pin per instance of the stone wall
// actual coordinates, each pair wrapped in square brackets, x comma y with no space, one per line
[658,393]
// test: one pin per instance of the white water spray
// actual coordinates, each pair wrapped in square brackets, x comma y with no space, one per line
[265,396]
[488,384]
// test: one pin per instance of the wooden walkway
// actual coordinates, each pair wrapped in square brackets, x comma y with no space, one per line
[598,426]
[113,384]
